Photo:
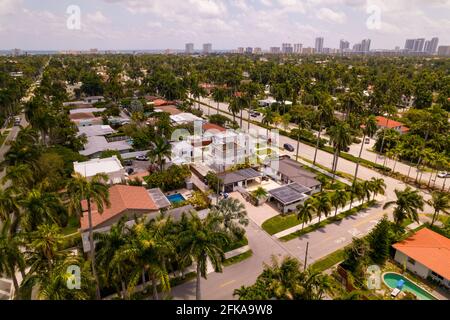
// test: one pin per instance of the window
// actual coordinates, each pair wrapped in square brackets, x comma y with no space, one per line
[436,275]
[411,261]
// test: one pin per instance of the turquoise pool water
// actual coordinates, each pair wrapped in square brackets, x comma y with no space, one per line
[176,198]
[391,279]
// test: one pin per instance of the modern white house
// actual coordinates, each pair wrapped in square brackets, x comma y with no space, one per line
[111,166]
[216,147]
[427,254]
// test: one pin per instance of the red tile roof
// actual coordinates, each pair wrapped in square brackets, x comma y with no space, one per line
[428,248]
[212,126]
[389,123]
[121,198]
[159,102]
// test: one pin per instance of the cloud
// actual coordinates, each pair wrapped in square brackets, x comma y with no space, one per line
[9,6]
[97,17]
[329,15]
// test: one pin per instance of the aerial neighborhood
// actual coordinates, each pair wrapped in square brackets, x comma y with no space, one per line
[297,173]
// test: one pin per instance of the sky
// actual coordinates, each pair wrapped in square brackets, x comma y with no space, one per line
[227,24]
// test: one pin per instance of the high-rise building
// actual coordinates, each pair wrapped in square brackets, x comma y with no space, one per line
[443,51]
[418,45]
[249,50]
[319,45]
[409,44]
[426,47]
[240,50]
[365,45]
[298,47]
[189,48]
[357,47]
[275,50]
[286,48]
[343,45]
[433,45]
[257,50]
[207,48]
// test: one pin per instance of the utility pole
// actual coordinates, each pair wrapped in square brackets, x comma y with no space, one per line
[306,256]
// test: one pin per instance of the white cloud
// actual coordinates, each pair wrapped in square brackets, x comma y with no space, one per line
[329,15]
[97,17]
[9,6]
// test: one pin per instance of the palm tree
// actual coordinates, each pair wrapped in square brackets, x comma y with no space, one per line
[340,138]
[408,203]
[324,115]
[39,207]
[369,129]
[11,256]
[355,190]
[108,243]
[233,214]
[323,205]
[9,207]
[268,118]
[302,124]
[234,107]
[203,240]
[95,192]
[149,249]
[306,211]
[367,189]
[338,199]
[440,201]
[161,149]
[218,95]
[377,186]
[389,111]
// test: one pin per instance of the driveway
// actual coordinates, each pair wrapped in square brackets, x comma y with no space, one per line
[257,214]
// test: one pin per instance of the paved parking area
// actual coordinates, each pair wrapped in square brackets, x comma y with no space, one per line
[257,214]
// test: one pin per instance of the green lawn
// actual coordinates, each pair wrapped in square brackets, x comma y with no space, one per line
[236,244]
[325,222]
[238,258]
[280,223]
[329,261]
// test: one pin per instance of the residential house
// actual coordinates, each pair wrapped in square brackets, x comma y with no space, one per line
[111,166]
[385,123]
[125,201]
[287,171]
[95,130]
[427,254]
[289,196]
[97,144]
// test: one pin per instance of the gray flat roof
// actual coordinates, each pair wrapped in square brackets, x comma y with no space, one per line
[159,198]
[295,172]
[289,193]
[237,176]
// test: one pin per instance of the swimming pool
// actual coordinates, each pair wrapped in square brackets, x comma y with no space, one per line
[176,198]
[391,279]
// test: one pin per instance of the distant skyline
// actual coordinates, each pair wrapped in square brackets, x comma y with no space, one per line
[226,24]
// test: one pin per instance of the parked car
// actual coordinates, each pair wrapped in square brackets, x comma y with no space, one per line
[142,158]
[288,147]
[444,174]
[367,141]
[128,162]
[346,149]
[129,170]
[254,114]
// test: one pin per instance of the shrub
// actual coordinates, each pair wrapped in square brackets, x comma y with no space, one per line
[170,179]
